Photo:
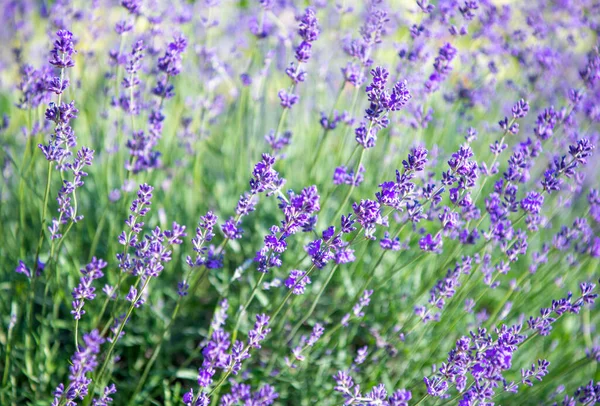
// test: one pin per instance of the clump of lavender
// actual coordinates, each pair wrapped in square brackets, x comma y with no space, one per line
[439,245]
[37,85]
[485,358]
[242,394]
[443,290]
[377,395]
[584,395]
[331,245]
[218,355]
[357,309]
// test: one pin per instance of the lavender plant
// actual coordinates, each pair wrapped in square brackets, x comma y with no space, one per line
[375,202]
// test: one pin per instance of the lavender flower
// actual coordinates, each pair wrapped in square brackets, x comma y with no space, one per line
[85,290]
[381,103]
[83,362]
[297,281]
[442,67]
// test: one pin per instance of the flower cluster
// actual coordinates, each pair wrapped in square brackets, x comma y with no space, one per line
[298,211]
[443,291]
[204,234]
[83,362]
[376,396]
[36,86]
[61,113]
[308,30]
[371,32]
[442,67]
[129,101]
[381,103]
[543,324]
[142,144]
[484,358]
[332,246]
[400,194]
[305,343]
[220,354]
[85,291]
[242,394]
[357,309]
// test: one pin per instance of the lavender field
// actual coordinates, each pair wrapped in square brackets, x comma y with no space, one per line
[285,202]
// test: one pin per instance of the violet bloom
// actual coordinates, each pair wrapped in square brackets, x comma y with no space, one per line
[83,362]
[332,246]
[36,86]
[545,123]
[105,399]
[360,49]
[298,211]
[560,166]
[242,394]
[85,290]
[484,358]
[297,281]
[170,62]
[357,309]
[67,212]
[308,30]
[442,67]
[259,332]
[59,148]
[387,243]
[231,229]
[139,208]
[368,215]
[443,290]
[220,316]
[361,355]
[134,7]
[142,144]
[346,176]
[129,99]
[265,178]
[400,194]
[381,103]
[377,396]
[431,243]
[63,50]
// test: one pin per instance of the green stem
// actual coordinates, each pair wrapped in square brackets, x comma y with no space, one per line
[44,212]
[107,357]
[352,187]
[321,140]
[313,306]
[245,307]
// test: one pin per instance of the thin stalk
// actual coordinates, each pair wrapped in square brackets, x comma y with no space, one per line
[158,347]
[321,140]
[107,357]
[353,186]
[245,307]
